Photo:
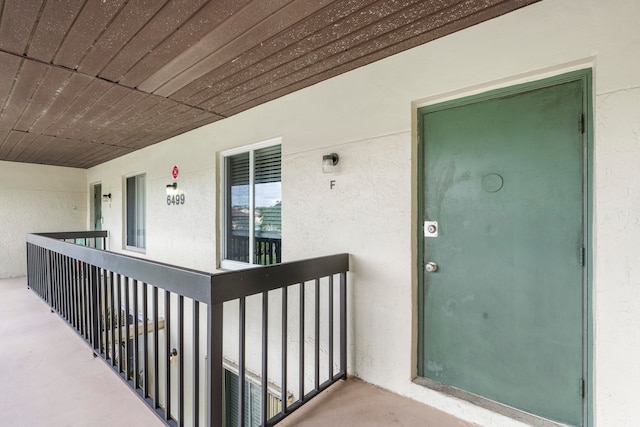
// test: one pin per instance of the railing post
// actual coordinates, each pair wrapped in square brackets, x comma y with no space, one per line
[343,325]
[214,365]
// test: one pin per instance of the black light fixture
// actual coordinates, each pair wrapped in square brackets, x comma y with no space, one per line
[171,188]
[173,354]
[106,197]
[329,161]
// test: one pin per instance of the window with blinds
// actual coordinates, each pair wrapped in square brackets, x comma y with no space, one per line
[135,203]
[253,201]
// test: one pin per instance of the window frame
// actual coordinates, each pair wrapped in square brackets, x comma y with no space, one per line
[138,200]
[229,264]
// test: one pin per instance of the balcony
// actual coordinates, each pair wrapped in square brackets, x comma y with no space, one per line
[52,377]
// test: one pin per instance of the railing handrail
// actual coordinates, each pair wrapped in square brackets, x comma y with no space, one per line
[230,285]
[189,283]
[75,234]
[205,287]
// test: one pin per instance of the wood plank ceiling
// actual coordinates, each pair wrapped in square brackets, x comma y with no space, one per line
[85,81]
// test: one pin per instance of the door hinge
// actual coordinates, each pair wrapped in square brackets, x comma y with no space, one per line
[582,256]
[582,123]
[581,388]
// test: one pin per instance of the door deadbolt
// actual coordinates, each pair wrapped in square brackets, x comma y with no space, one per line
[430,228]
[431,267]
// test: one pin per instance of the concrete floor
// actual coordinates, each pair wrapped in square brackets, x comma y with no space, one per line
[49,377]
[355,403]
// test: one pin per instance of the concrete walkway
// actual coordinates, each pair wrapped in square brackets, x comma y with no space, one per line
[354,403]
[49,377]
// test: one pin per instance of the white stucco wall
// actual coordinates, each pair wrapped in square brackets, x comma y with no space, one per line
[366,117]
[617,266]
[36,198]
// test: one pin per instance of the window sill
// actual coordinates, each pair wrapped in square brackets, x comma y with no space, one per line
[226,264]
[135,249]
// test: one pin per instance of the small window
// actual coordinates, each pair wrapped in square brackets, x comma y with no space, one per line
[252,230]
[252,399]
[136,212]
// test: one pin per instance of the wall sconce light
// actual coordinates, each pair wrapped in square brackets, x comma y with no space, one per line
[171,188]
[329,161]
[106,197]
[173,354]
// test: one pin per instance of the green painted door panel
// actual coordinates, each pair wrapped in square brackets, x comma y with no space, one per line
[503,314]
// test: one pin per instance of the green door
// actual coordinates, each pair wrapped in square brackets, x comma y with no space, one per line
[97,211]
[502,314]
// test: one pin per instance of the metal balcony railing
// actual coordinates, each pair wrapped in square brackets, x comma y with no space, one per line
[266,250]
[169,332]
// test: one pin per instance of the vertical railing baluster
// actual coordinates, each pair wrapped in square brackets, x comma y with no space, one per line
[180,360]
[242,330]
[81,311]
[59,283]
[44,281]
[331,328]
[127,333]
[104,338]
[94,317]
[87,302]
[119,317]
[82,306]
[145,341]
[112,319]
[156,350]
[70,289]
[39,271]
[73,294]
[265,357]
[196,363]
[167,352]
[136,344]
[65,287]
[48,275]
[214,365]
[42,274]
[343,325]
[35,270]
[283,397]
[77,295]
[54,281]
[301,344]
[29,266]
[59,294]
[317,334]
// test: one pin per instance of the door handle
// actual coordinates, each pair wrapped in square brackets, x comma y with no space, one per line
[431,267]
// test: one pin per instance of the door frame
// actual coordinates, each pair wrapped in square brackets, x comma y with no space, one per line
[585,77]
